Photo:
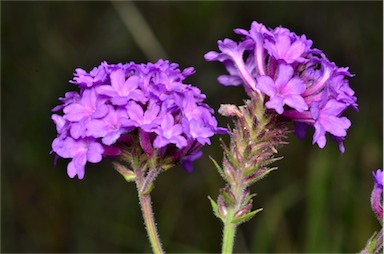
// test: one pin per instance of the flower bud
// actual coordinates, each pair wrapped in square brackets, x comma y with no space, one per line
[146,143]
[228,195]
[229,170]
[229,110]
[243,211]
[223,210]
[128,175]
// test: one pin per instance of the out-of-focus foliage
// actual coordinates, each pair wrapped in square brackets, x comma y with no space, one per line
[318,201]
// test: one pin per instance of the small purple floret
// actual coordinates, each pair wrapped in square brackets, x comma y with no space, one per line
[285,90]
[378,178]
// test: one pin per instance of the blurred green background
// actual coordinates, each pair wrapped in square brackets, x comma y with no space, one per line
[318,200]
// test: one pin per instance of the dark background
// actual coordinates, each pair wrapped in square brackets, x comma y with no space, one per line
[318,200]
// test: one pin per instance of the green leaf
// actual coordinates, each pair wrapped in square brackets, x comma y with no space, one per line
[129,178]
[246,217]
[165,166]
[219,169]
[372,243]
[252,180]
[228,154]
[246,201]
[228,198]
[214,208]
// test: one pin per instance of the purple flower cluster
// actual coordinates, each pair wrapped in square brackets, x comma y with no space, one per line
[300,82]
[116,100]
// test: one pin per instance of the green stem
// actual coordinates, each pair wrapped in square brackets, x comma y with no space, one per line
[228,235]
[229,230]
[146,208]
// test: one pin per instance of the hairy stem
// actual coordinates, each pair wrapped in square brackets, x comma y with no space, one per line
[379,243]
[229,233]
[229,229]
[146,208]
[254,141]
[143,184]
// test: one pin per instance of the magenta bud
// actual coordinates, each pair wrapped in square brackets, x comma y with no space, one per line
[223,211]
[243,211]
[229,170]
[146,143]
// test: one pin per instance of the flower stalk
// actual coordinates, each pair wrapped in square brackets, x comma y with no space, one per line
[254,142]
[144,171]
[146,208]
[144,178]
[229,232]
[144,186]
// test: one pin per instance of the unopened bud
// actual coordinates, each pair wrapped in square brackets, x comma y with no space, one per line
[228,195]
[229,170]
[244,195]
[128,175]
[222,207]
[145,143]
[229,110]
[243,211]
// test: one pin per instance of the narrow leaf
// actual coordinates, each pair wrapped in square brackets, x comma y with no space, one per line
[219,169]
[252,179]
[248,198]
[228,154]
[228,198]
[214,208]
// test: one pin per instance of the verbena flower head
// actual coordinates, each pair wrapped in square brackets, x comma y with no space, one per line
[119,103]
[298,81]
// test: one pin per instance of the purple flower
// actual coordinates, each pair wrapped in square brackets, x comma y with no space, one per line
[295,80]
[327,119]
[378,178]
[81,151]
[70,97]
[147,120]
[122,90]
[110,127]
[284,90]
[187,161]
[232,57]
[285,48]
[169,133]
[60,122]
[97,76]
[145,107]
[89,106]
